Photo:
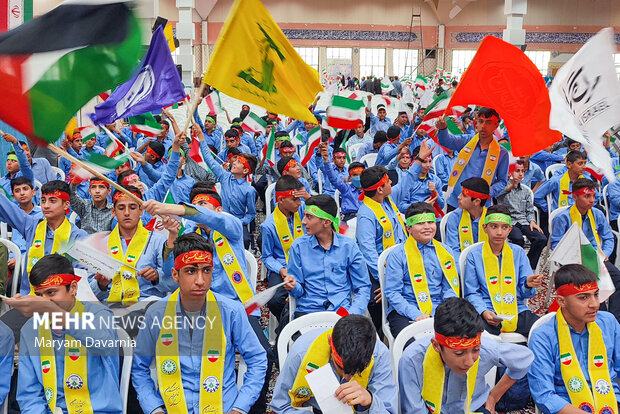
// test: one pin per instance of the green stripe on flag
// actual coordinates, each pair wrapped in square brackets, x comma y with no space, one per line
[106,162]
[589,257]
[347,103]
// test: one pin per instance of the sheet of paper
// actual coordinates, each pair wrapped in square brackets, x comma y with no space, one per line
[323,383]
[505,317]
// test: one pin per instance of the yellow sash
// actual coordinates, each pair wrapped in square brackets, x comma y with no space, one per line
[231,266]
[575,217]
[581,395]
[384,221]
[565,190]
[125,286]
[169,374]
[283,231]
[502,284]
[417,273]
[75,386]
[434,376]
[490,165]
[316,356]
[37,250]
[466,233]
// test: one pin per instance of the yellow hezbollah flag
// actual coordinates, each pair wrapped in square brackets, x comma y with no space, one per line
[169,34]
[253,61]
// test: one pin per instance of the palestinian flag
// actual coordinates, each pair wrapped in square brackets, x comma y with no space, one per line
[311,367]
[345,113]
[254,123]
[307,151]
[269,150]
[213,102]
[213,355]
[167,339]
[598,361]
[88,132]
[386,85]
[566,358]
[74,353]
[54,64]
[46,366]
[145,124]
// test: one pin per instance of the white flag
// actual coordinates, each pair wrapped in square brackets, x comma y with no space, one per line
[585,97]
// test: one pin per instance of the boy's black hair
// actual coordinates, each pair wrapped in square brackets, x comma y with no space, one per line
[133,190]
[286,183]
[418,208]
[457,317]
[231,133]
[201,189]
[356,164]
[499,208]
[573,156]
[380,136]
[51,186]
[488,113]
[191,241]
[476,184]
[282,163]
[123,175]
[584,183]
[251,159]
[21,181]
[354,338]
[576,274]
[325,203]
[52,264]
[371,176]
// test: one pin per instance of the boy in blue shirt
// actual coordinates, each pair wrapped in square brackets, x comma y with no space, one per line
[420,184]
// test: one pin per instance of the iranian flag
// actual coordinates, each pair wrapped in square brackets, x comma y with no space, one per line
[269,150]
[306,152]
[157,225]
[46,366]
[421,82]
[436,110]
[196,154]
[167,339]
[386,85]
[100,163]
[213,102]
[88,132]
[261,298]
[13,13]
[254,123]
[115,146]
[345,113]
[145,124]
[213,355]
[54,64]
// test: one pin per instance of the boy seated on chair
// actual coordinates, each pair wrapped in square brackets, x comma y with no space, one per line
[499,277]
[326,270]
[577,351]
[360,363]
[464,226]
[420,273]
[596,228]
[195,357]
[445,373]
[59,367]
[560,185]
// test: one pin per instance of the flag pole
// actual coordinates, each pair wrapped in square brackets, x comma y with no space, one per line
[195,103]
[94,172]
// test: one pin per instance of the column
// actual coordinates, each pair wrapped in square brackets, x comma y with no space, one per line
[185,34]
[514,10]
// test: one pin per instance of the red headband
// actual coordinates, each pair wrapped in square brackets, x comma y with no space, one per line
[94,181]
[284,194]
[571,289]
[62,279]
[193,257]
[119,194]
[379,183]
[58,194]
[474,194]
[454,342]
[337,357]
[583,191]
[356,170]
[153,153]
[129,178]
[209,199]
[289,164]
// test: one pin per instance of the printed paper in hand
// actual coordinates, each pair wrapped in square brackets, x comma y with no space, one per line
[323,383]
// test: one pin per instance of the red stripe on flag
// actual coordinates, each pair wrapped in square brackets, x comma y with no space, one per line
[15,106]
[310,153]
[4,16]
[340,123]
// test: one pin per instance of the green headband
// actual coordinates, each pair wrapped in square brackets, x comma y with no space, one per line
[235,124]
[317,212]
[498,217]
[12,157]
[209,118]
[283,138]
[421,218]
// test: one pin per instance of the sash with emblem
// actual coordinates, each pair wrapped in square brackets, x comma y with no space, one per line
[565,190]
[75,387]
[125,286]
[466,234]
[211,367]
[490,165]
[232,267]
[501,284]
[284,232]
[384,221]
[37,250]
[417,273]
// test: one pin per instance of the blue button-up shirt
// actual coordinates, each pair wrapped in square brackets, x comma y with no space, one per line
[534,174]
[545,376]
[42,170]
[239,336]
[398,287]
[24,170]
[150,173]
[367,148]
[7,351]
[349,194]
[613,198]
[223,154]
[452,232]
[553,186]
[325,279]
[102,365]
[476,290]
[215,138]
[475,166]
[378,125]
[369,234]
[380,384]
[515,358]
[444,165]
[272,252]
[386,153]
[544,159]
[562,222]
[18,238]
[181,188]
[415,189]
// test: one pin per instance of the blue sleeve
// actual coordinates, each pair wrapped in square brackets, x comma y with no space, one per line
[268,244]
[409,381]
[381,384]
[250,202]
[293,126]
[473,291]
[452,236]
[153,174]
[329,172]
[517,359]
[604,233]
[539,175]
[147,390]
[561,224]
[15,216]
[281,401]
[294,268]
[453,142]
[365,236]
[7,350]
[501,175]
[441,170]
[440,196]
[524,271]
[161,187]
[24,166]
[219,171]
[358,274]
[541,193]
[30,395]
[395,268]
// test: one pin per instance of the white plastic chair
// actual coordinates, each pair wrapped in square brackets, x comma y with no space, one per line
[269,199]
[552,215]
[531,193]
[605,202]
[303,324]
[60,174]
[443,224]
[218,188]
[125,340]
[353,150]
[72,217]
[252,268]
[385,326]
[319,175]
[369,159]
[552,169]
[4,230]
[17,272]
[37,186]
[540,321]
[337,199]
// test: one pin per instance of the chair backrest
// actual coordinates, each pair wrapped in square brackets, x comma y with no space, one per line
[303,324]
[552,215]
[381,268]
[269,199]
[218,188]
[462,262]
[37,186]
[434,164]
[606,202]
[369,159]
[4,230]
[551,169]
[539,322]
[353,150]
[60,174]
[337,199]
[443,224]
[17,272]
[319,175]
[252,268]
[127,349]
[414,331]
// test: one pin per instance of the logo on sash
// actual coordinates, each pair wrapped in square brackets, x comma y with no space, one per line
[461,162]
[566,359]
[467,150]
[423,297]
[607,410]
[508,280]
[213,355]
[602,387]
[598,361]
[168,367]
[228,259]
[311,367]
[127,274]
[37,243]
[587,407]
[448,265]
[430,406]
[302,393]
[383,219]
[74,381]
[575,384]
[237,277]
[455,173]
[167,339]
[417,278]
[286,238]
[489,172]
[74,354]
[211,384]
[388,234]
[34,261]
[492,158]
[498,297]
[131,258]
[219,242]
[509,298]
[49,394]
[563,203]
[493,280]
[46,366]
[455,281]
[299,229]
[465,229]
[114,250]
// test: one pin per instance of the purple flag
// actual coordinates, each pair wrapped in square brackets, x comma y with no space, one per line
[155,86]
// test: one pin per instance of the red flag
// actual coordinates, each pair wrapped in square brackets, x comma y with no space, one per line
[502,77]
